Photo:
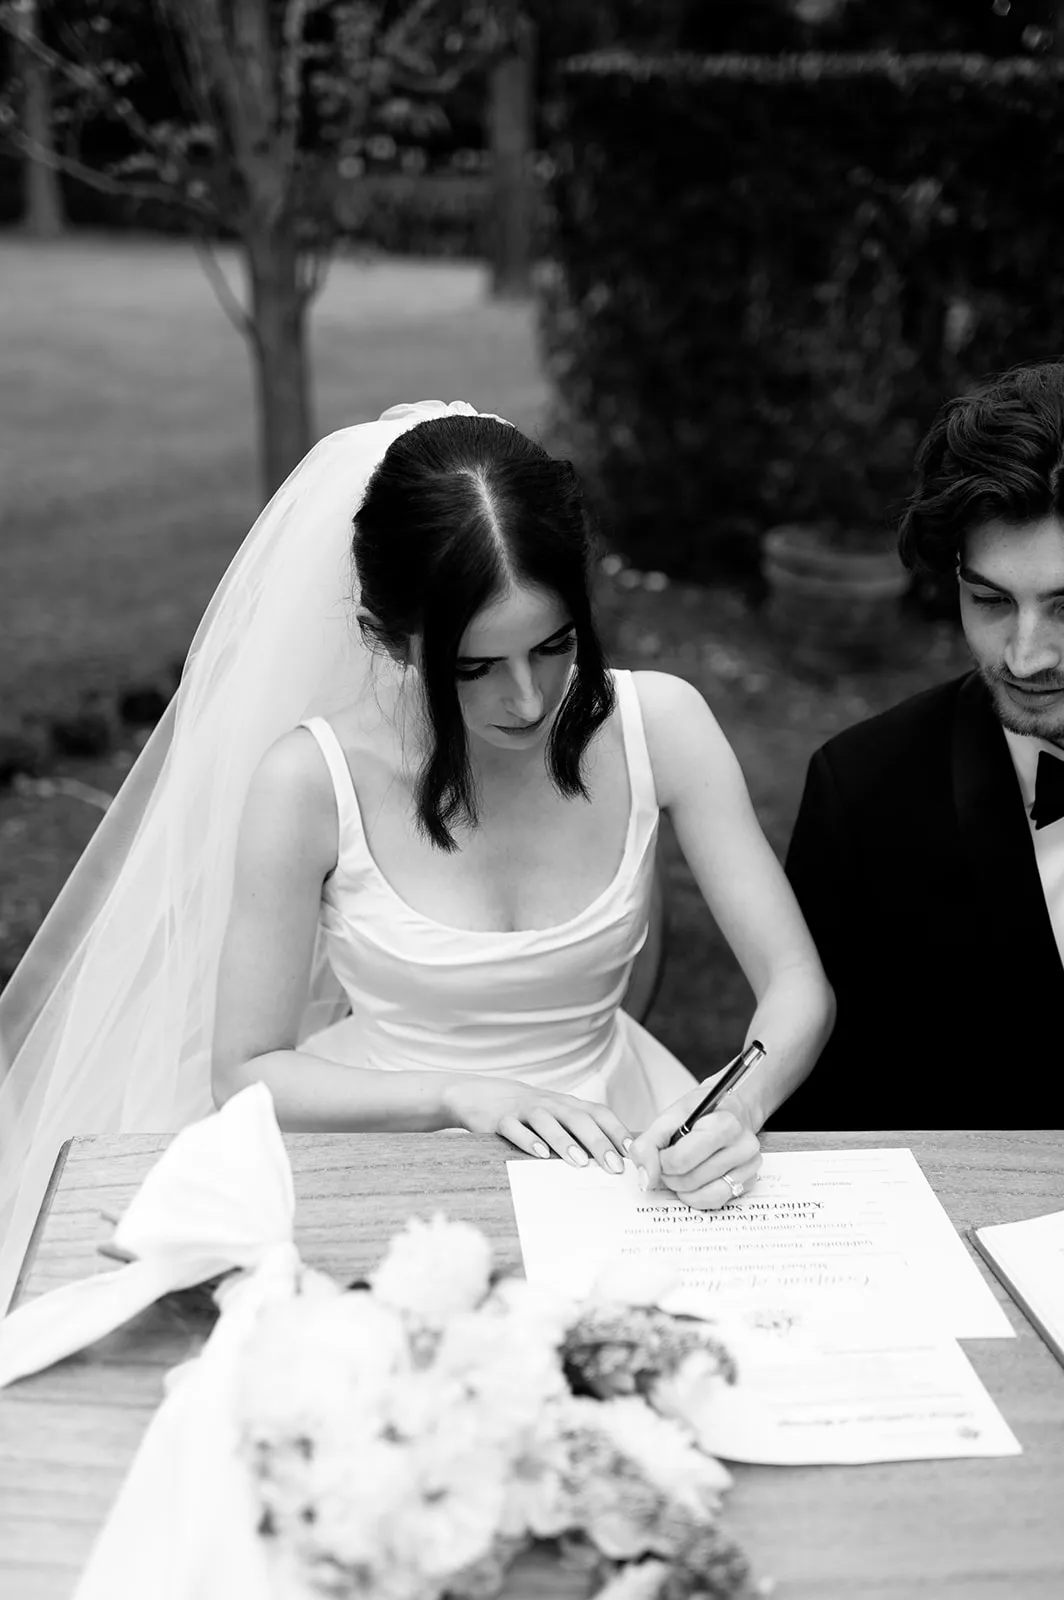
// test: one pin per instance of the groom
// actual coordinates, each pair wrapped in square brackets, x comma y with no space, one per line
[928,854]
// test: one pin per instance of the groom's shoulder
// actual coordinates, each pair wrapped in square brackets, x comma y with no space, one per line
[913,735]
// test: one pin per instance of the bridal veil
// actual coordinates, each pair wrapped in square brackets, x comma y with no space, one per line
[106,1024]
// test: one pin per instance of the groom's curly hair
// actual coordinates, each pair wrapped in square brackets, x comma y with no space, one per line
[459,510]
[997,452]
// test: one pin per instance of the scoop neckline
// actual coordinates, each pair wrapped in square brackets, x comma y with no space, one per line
[501,933]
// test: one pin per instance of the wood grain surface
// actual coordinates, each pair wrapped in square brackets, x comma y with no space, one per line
[940,1530]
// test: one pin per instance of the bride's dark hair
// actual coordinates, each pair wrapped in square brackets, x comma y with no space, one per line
[460,510]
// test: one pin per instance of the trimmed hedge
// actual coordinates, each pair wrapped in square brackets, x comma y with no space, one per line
[768,272]
[437,215]
[417,214]
[430,214]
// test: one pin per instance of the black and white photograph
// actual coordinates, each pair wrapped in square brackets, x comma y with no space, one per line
[531,799]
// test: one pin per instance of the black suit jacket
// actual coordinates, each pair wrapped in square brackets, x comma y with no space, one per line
[913,862]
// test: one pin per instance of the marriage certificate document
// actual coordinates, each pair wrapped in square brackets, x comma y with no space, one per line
[839,1281]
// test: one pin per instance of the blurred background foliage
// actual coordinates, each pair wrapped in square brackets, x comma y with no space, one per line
[751,245]
[450,142]
[809,257]
[796,224]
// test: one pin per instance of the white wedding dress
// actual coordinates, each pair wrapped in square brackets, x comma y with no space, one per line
[542,1005]
[106,1025]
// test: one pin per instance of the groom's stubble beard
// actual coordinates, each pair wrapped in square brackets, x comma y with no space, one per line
[1029,724]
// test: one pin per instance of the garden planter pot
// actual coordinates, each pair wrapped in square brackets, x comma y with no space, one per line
[832,605]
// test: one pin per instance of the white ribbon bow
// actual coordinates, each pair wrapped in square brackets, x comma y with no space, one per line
[425,410]
[220,1197]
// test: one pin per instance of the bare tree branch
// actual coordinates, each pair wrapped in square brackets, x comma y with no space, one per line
[202,28]
[291,69]
[84,76]
[395,40]
[227,298]
[267,160]
[269,107]
[185,65]
[103,182]
[11,24]
[313,270]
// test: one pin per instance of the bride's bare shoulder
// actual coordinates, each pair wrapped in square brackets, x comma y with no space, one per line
[669,704]
[684,738]
[295,771]
[290,811]
[293,768]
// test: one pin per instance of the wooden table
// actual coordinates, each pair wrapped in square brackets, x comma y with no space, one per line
[981,1529]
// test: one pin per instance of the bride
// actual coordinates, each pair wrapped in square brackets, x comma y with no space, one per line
[391,849]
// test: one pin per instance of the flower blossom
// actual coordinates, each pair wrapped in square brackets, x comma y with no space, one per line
[434,1269]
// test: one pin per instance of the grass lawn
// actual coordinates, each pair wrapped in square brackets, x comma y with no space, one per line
[127,473]
[127,445]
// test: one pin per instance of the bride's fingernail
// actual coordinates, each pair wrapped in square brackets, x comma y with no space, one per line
[628,1143]
[577,1155]
[613,1161]
[644,1177]
[542,1150]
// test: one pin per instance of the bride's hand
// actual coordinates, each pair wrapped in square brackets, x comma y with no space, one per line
[694,1167]
[539,1121]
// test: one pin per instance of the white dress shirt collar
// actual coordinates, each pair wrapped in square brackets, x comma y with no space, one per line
[1025,752]
[1048,842]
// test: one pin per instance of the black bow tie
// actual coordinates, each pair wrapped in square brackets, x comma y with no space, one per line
[1048,790]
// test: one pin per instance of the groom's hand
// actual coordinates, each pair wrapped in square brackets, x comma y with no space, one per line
[693,1168]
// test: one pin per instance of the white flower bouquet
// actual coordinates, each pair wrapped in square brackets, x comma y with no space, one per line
[413,1435]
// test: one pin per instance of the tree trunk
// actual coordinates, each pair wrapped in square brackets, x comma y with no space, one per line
[511,120]
[280,355]
[42,216]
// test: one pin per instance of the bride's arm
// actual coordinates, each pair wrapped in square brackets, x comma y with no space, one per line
[285,850]
[700,784]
